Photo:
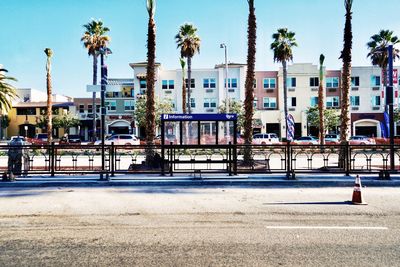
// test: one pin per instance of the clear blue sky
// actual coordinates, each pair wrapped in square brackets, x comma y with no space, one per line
[29,26]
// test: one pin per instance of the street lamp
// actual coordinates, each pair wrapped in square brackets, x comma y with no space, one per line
[26,131]
[226,88]
[104,51]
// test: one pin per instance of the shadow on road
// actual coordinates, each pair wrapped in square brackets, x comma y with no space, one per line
[311,203]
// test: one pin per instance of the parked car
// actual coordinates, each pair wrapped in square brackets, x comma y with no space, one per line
[306,140]
[361,140]
[71,139]
[120,139]
[19,138]
[39,139]
[264,139]
[331,139]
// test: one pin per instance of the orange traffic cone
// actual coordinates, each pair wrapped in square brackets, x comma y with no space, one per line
[357,199]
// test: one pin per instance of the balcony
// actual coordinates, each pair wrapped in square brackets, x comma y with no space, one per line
[355,108]
[376,108]
[332,90]
[313,89]
[354,88]
[376,88]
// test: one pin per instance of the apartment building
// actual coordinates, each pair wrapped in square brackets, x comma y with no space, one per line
[208,93]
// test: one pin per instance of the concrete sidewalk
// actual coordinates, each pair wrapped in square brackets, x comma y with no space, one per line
[206,180]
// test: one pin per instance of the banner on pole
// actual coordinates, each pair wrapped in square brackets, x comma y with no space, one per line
[290,127]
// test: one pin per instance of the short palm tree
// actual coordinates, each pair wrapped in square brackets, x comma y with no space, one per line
[346,73]
[183,65]
[7,94]
[189,43]
[150,80]
[7,91]
[377,47]
[49,114]
[282,45]
[321,99]
[249,83]
[93,39]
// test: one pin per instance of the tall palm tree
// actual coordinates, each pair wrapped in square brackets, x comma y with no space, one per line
[150,80]
[93,39]
[321,99]
[49,54]
[282,45]
[377,47]
[7,94]
[346,73]
[249,83]
[183,64]
[189,43]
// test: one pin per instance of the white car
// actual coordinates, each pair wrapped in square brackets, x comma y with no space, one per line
[264,139]
[120,139]
[306,140]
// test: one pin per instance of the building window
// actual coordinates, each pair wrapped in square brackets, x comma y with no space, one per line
[111,105]
[168,84]
[375,81]
[255,102]
[314,82]
[97,108]
[192,83]
[209,83]
[355,81]
[376,101]
[355,101]
[254,83]
[232,82]
[292,101]
[129,105]
[143,84]
[269,83]
[291,82]
[90,109]
[314,101]
[81,108]
[210,103]
[332,102]
[269,102]
[26,111]
[332,82]
[192,102]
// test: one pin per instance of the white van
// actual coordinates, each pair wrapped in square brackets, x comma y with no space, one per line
[265,139]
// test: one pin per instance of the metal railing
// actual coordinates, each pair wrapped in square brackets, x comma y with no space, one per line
[287,159]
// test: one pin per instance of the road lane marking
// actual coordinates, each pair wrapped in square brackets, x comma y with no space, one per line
[329,227]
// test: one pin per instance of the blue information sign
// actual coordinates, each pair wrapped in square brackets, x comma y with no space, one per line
[198,117]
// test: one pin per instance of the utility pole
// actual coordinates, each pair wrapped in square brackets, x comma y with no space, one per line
[389,102]
[226,90]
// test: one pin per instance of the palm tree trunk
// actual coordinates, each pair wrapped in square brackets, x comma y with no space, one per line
[94,98]
[321,106]
[183,92]
[285,104]
[346,77]
[189,62]
[150,101]
[49,103]
[249,84]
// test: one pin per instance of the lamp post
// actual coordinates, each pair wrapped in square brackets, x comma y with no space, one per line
[26,131]
[226,88]
[103,52]
[389,102]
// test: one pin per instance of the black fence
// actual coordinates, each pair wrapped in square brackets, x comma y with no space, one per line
[288,159]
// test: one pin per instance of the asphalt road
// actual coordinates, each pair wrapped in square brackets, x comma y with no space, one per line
[198,227]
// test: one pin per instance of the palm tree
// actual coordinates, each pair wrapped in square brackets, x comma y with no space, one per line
[183,64]
[49,54]
[321,99]
[150,80]
[378,50]
[189,43]
[282,45]
[249,83]
[7,94]
[93,39]
[346,73]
